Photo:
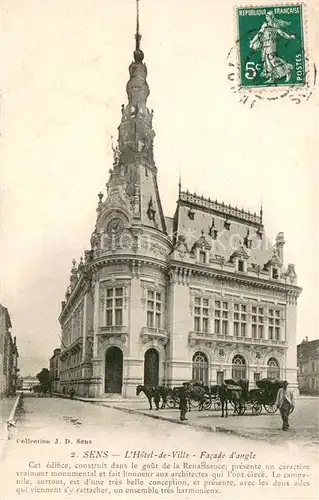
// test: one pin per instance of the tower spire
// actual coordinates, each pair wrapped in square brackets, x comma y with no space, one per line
[261,209]
[138,36]
[180,181]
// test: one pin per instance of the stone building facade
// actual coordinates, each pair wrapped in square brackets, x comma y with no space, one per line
[27,383]
[201,295]
[308,366]
[54,368]
[8,355]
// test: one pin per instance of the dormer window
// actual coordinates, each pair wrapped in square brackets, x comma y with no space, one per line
[241,266]
[151,211]
[259,233]
[191,214]
[202,257]
[247,240]
[227,224]
[275,273]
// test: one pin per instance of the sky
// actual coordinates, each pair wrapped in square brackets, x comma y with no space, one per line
[64,71]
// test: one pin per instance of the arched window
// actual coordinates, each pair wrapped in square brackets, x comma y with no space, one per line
[200,368]
[313,384]
[239,367]
[273,370]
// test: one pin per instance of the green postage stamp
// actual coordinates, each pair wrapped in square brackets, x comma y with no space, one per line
[271,46]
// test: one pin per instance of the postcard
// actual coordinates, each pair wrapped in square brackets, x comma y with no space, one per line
[159,220]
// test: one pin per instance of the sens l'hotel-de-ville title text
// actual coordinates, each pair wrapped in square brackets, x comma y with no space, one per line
[175,364]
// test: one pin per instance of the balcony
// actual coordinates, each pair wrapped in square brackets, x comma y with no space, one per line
[117,331]
[149,333]
[209,338]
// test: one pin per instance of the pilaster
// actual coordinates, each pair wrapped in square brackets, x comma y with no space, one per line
[84,326]
[96,317]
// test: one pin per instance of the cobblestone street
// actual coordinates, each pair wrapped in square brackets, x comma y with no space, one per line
[64,422]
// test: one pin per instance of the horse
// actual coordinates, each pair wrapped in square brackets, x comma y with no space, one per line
[231,394]
[196,392]
[154,392]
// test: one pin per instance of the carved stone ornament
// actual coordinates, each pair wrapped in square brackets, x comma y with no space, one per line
[221,260]
[191,301]
[181,246]
[291,273]
[221,352]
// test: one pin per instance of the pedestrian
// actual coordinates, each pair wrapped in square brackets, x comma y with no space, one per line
[183,400]
[285,403]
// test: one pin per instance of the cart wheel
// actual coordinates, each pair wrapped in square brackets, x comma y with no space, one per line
[171,402]
[248,405]
[271,408]
[194,403]
[256,409]
[240,409]
[207,404]
[217,404]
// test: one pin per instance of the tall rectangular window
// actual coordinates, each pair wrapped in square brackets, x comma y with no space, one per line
[256,378]
[240,320]
[257,320]
[201,315]
[202,257]
[154,309]
[221,317]
[274,324]
[220,377]
[241,267]
[114,306]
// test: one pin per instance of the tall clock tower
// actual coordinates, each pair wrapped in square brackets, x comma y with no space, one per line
[133,179]
[130,246]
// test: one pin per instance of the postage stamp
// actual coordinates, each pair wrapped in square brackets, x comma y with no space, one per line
[271,46]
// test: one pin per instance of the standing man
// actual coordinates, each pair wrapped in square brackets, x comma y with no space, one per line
[285,403]
[183,400]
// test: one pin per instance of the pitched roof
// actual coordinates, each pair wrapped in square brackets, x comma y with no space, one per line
[308,350]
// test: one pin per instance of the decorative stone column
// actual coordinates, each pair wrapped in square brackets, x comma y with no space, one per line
[96,317]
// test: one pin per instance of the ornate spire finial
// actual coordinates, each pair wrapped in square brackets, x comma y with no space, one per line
[261,210]
[138,53]
[180,182]
[138,36]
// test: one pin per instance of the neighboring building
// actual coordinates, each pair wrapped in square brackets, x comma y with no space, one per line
[29,382]
[308,366]
[8,355]
[54,371]
[200,295]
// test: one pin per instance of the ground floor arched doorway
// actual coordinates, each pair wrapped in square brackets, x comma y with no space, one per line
[113,370]
[151,367]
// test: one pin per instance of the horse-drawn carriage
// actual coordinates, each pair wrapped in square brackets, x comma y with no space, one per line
[268,389]
[264,396]
[198,395]
[253,400]
[216,397]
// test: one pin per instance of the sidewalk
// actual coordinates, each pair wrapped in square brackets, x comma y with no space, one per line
[8,409]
